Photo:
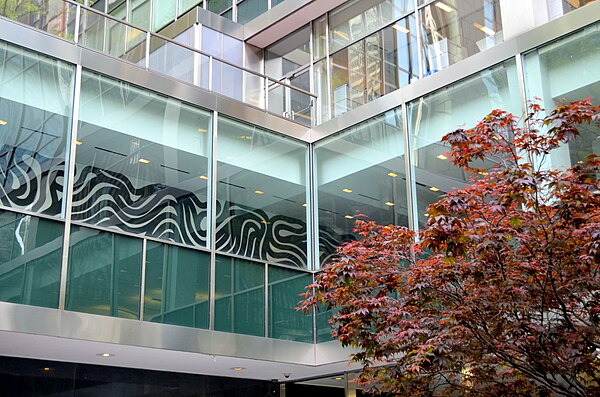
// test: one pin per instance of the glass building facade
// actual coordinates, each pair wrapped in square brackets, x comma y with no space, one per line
[163,174]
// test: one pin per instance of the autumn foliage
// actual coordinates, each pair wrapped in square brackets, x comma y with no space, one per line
[500,293]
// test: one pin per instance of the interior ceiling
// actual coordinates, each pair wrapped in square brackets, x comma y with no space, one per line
[74,350]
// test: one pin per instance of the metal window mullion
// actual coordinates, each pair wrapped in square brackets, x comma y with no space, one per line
[420,48]
[211,212]
[327,70]
[521,81]
[311,77]
[311,213]
[143,279]
[412,207]
[197,79]
[266,300]
[68,192]
[148,41]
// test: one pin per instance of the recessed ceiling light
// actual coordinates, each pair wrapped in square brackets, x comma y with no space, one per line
[349,217]
[444,6]
[259,192]
[79,143]
[347,190]
[46,369]
[202,130]
[392,174]
[264,222]
[341,34]
[442,157]
[3,122]
[484,173]
[338,378]
[400,28]
[389,204]
[434,189]
[484,29]
[105,355]
[247,137]
[204,177]
[305,205]
[237,368]
[426,214]
[144,161]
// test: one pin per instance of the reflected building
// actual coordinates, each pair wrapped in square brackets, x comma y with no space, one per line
[174,173]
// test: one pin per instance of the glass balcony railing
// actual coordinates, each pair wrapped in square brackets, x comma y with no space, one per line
[106,34]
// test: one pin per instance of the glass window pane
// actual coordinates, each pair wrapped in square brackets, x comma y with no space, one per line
[261,194]
[454,30]
[239,296]
[247,10]
[142,162]
[567,70]
[30,259]
[104,273]
[358,18]
[140,13]
[360,171]
[35,104]
[285,322]
[218,6]
[319,37]
[163,12]
[400,59]
[185,5]
[460,105]
[288,54]
[176,287]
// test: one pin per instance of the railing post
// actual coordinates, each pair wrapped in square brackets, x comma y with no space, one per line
[210,72]
[77,21]
[266,93]
[148,50]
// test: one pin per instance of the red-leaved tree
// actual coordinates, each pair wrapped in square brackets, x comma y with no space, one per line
[500,293]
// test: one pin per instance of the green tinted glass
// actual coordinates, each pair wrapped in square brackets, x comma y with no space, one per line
[30,258]
[176,288]
[239,296]
[284,321]
[104,273]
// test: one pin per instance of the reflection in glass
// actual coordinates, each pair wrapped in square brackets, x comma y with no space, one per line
[460,105]
[163,12]
[360,171]
[454,30]
[218,6]
[285,322]
[239,296]
[104,273]
[288,54]
[567,70]
[176,287]
[358,18]
[35,104]
[171,59]
[141,162]
[247,10]
[226,79]
[261,194]
[30,259]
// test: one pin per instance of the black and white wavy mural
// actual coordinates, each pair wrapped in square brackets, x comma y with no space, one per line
[30,181]
[107,198]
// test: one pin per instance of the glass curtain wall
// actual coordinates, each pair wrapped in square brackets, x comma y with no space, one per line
[360,171]
[567,70]
[460,105]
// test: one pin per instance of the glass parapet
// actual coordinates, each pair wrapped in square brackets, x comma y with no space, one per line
[56,17]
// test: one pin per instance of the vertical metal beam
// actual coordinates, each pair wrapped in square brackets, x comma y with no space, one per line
[211,213]
[77,21]
[412,207]
[148,41]
[266,299]
[521,79]
[327,99]
[311,214]
[419,39]
[143,278]
[68,189]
